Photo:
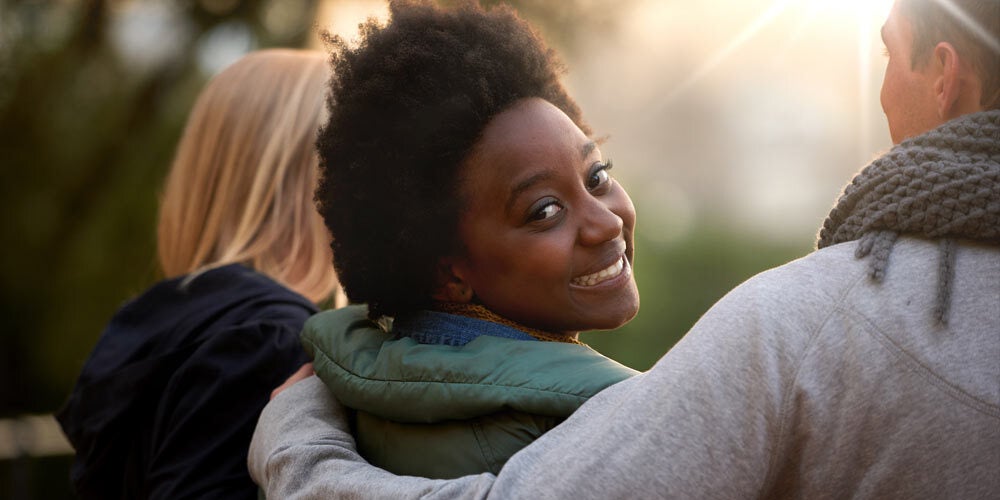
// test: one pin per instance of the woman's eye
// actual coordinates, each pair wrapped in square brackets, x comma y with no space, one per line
[546,211]
[599,175]
[596,179]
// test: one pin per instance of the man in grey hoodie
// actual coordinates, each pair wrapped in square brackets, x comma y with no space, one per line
[869,368]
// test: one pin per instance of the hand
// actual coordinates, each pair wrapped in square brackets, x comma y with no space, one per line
[302,373]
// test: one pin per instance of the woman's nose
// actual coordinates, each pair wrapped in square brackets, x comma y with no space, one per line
[600,224]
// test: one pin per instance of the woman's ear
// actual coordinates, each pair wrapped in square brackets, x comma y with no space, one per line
[451,286]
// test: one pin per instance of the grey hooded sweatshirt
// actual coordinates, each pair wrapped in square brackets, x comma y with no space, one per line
[811,380]
[868,369]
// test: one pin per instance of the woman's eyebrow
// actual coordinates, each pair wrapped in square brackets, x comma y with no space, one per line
[524,185]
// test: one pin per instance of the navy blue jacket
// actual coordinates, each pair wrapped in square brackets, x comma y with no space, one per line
[168,400]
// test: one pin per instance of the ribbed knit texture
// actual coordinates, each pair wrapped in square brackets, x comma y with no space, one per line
[944,184]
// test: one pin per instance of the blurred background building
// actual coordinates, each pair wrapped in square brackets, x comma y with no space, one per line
[734,124]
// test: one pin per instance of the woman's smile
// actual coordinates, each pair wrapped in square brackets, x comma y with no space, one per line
[615,270]
[547,231]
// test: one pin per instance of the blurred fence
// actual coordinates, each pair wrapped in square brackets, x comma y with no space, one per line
[32,436]
[34,459]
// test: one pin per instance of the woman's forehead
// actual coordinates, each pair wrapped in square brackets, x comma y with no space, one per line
[529,144]
[531,129]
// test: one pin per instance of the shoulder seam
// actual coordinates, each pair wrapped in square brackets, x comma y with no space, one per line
[951,390]
[786,394]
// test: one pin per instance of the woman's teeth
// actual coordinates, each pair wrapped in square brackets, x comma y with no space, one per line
[602,275]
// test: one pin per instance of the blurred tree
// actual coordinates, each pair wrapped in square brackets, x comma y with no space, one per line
[93,96]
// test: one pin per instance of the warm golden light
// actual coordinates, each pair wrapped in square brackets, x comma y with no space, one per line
[755,110]
[858,7]
[342,17]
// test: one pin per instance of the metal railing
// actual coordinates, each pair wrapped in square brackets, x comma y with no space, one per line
[32,436]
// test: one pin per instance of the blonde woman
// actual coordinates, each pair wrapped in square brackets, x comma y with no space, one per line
[166,403]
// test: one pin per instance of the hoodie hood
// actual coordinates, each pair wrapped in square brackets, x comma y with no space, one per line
[119,388]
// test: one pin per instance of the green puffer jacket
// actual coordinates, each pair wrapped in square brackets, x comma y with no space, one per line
[444,411]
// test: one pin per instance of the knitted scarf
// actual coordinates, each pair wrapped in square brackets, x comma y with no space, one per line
[480,312]
[943,185]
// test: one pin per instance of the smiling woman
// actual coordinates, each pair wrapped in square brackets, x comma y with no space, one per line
[547,232]
[468,203]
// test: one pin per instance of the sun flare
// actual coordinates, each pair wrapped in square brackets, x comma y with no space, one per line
[860,17]
[878,8]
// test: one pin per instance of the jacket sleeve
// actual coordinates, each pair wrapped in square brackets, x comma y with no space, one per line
[210,407]
[302,449]
[704,422]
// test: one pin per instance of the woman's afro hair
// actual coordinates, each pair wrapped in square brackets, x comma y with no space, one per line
[407,104]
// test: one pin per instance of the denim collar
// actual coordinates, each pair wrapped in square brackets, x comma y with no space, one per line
[433,327]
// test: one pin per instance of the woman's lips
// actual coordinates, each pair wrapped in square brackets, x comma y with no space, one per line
[610,272]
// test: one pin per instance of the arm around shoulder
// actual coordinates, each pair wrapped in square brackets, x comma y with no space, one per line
[703,422]
[303,448]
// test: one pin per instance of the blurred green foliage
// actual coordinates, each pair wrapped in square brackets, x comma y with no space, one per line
[87,131]
[86,137]
[88,126]
[679,281]
[86,134]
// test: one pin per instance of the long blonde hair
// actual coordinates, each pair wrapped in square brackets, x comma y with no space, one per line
[240,189]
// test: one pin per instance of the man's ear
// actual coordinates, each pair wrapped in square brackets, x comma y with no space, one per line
[956,85]
[947,87]
[451,285]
